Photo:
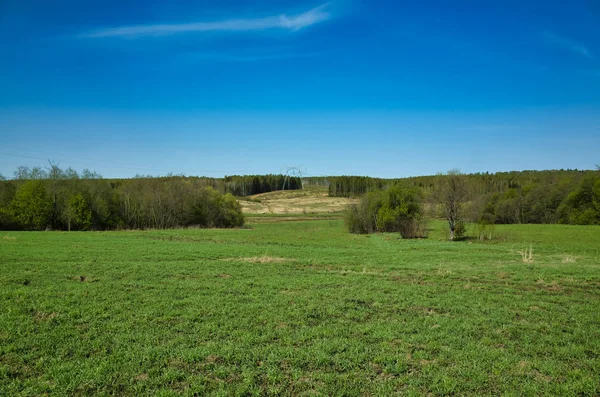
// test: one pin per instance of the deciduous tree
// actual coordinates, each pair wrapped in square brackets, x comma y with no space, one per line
[31,206]
[452,194]
[78,214]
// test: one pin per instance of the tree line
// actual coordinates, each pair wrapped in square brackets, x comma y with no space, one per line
[63,199]
[355,186]
[555,196]
[247,185]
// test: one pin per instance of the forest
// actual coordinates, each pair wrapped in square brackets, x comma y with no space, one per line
[56,199]
[52,198]
[554,196]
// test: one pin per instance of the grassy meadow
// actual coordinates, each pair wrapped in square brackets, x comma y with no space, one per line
[300,307]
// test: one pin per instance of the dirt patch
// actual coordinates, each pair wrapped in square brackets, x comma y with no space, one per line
[84,279]
[9,238]
[523,364]
[212,359]
[540,376]
[427,362]
[39,317]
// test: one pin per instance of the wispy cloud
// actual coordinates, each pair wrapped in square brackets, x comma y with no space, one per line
[282,22]
[225,57]
[568,44]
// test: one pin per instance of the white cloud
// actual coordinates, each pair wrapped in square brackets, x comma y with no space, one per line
[571,45]
[283,21]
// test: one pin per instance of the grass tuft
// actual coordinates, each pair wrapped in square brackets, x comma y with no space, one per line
[527,254]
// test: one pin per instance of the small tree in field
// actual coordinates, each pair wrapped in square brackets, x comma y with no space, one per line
[452,194]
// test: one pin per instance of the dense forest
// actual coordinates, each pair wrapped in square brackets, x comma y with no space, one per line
[247,185]
[53,198]
[558,196]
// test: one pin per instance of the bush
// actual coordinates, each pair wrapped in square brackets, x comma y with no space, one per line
[213,209]
[485,230]
[460,230]
[397,209]
[362,217]
[231,212]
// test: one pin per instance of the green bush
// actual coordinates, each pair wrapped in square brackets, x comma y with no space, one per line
[460,230]
[231,212]
[398,209]
[362,217]
[213,209]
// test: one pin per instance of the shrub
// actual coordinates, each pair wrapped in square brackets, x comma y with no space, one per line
[485,230]
[460,230]
[362,217]
[231,212]
[213,209]
[398,209]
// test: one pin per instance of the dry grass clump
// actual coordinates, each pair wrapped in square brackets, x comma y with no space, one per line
[259,259]
[265,259]
[527,254]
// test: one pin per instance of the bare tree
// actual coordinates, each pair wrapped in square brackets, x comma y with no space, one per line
[25,173]
[452,194]
[54,175]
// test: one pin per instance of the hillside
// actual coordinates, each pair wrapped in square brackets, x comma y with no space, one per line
[313,200]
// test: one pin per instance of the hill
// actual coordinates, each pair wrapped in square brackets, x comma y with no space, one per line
[312,200]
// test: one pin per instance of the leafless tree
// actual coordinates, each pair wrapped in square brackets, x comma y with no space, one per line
[54,175]
[452,194]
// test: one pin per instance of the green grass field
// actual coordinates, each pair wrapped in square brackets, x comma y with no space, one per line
[300,308]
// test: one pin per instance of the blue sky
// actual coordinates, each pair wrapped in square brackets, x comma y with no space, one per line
[380,88]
